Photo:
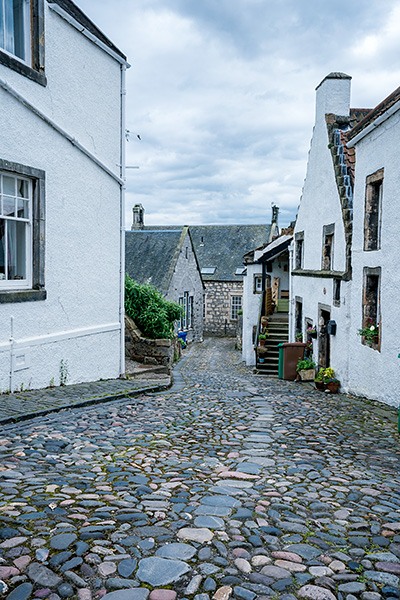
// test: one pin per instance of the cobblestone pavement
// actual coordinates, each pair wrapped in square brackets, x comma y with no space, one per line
[230,485]
[28,403]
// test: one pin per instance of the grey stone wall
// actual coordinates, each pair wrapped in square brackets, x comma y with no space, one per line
[149,352]
[217,321]
[187,278]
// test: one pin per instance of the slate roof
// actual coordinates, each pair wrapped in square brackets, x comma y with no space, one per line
[375,113]
[151,255]
[223,247]
[77,14]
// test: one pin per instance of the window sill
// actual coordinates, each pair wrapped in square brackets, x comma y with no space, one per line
[322,274]
[22,296]
[22,69]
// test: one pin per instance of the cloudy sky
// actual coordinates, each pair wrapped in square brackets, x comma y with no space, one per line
[222,95]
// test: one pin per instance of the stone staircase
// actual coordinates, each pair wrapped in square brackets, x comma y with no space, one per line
[278,327]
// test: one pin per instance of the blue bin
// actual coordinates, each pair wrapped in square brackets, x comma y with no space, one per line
[182,335]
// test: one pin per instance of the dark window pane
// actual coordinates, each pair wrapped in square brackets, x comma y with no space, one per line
[2,249]
[16,238]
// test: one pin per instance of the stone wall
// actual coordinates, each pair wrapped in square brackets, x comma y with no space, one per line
[149,352]
[217,319]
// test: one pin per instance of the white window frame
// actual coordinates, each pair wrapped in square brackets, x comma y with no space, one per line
[27,34]
[10,284]
[236,305]
[257,284]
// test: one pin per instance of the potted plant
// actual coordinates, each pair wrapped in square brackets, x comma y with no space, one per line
[319,380]
[299,337]
[331,383]
[370,333]
[312,332]
[262,339]
[306,369]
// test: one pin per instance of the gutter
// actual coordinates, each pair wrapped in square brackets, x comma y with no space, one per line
[64,15]
[376,123]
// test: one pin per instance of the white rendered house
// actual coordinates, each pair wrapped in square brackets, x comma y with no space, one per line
[374,369]
[62,90]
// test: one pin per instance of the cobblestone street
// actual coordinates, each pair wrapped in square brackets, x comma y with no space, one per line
[227,485]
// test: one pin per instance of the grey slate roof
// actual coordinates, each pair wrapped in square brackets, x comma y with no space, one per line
[151,255]
[223,247]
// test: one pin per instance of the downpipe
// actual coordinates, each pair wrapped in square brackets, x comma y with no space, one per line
[12,342]
[122,221]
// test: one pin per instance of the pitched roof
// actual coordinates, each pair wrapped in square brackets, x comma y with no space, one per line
[151,255]
[275,248]
[376,112]
[79,16]
[223,247]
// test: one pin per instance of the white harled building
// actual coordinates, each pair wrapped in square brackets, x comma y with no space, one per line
[62,95]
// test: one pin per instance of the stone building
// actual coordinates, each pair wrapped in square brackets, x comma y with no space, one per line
[219,251]
[165,258]
[343,276]
[62,96]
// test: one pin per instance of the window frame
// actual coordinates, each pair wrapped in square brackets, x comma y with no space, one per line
[373,182]
[299,250]
[369,272]
[34,68]
[328,233]
[235,306]
[36,289]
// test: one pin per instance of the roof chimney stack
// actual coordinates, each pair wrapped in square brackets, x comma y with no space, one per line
[138,217]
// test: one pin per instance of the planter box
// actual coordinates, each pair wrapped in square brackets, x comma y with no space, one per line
[307,375]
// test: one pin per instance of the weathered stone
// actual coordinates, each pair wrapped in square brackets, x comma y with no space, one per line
[132,594]
[223,593]
[62,541]
[43,576]
[22,592]
[314,592]
[195,535]
[160,571]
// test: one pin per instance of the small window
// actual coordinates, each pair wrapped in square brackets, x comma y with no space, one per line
[373,208]
[336,292]
[186,301]
[240,270]
[208,270]
[257,284]
[327,248]
[371,304]
[22,232]
[22,37]
[186,252]
[298,320]
[236,305]
[299,250]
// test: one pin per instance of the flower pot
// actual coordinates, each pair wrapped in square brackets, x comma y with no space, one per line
[333,387]
[320,385]
[262,342]
[261,360]
[307,374]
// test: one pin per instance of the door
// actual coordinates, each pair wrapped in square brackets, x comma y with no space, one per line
[324,349]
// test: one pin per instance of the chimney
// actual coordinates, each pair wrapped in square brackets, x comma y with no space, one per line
[333,96]
[274,231]
[138,217]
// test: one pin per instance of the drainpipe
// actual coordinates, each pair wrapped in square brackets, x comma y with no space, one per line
[12,340]
[122,222]
[291,299]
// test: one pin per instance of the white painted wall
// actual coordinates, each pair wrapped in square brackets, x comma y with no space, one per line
[319,206]
[79,321]
[376,374]
[251,310]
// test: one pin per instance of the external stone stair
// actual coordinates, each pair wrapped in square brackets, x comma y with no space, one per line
[278,328]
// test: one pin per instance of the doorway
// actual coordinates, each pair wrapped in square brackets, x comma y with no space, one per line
[324,347]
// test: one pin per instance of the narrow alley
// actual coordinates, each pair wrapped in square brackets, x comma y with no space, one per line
[228,484]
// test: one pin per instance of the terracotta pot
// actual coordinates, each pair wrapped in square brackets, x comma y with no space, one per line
[262,342]
[320,385]
[333,387]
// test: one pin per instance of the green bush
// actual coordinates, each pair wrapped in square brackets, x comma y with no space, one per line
[154,315]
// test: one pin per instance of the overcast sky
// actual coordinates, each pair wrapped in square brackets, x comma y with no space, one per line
[222,95]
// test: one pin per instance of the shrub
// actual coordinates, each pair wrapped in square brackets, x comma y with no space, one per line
[154,315]
[304,365]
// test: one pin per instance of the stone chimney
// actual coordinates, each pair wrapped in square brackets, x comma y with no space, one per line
[274,232]
[138,217]
[333,96]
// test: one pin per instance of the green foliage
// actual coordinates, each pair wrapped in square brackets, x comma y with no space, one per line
[154,315]
[370,333]
[64,372]
[304,365]
[320,376]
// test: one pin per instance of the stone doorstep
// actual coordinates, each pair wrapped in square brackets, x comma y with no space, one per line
[144,370]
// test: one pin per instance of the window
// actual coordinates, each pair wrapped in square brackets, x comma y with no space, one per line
[257,284]
[186,322]
[236,305]
[21,233]
[336,292]
[298,319]
[22,37]
[208,270]
[327,247]
[371,301]
[373,208]
[299,250]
